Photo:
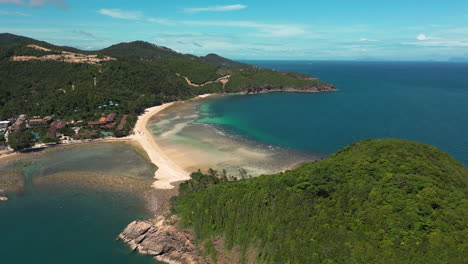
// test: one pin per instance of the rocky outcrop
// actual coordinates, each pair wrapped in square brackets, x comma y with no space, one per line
[309,89]
[163,241]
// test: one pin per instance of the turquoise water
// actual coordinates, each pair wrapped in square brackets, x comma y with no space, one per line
[73,223]
[426,102]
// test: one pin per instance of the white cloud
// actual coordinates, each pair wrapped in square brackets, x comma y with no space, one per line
[215,8]
[162,21]
[202,44]
[122,14]
[7,13]
[35,3]
[421,37]
[266,30]
[368,40]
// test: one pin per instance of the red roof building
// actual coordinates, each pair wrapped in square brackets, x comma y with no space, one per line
[111,117]
[52,133]
[98,123]
[122,123]
[109,126]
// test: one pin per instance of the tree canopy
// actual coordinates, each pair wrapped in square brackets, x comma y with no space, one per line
[375,201]
[143,75]
[21,140]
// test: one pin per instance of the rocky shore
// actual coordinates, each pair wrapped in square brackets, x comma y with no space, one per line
[160,239]
[308,89]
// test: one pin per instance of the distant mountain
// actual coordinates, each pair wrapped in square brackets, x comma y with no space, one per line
[221,61]
[139,50]
[7,39]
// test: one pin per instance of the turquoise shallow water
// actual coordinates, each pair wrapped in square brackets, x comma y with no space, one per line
[426,102]
[67,223]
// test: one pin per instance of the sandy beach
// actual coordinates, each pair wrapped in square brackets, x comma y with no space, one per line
[168,171]
[175,162]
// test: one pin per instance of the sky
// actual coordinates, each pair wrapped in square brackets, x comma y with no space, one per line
[261,29]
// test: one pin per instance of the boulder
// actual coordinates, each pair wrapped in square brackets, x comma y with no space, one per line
[164,242]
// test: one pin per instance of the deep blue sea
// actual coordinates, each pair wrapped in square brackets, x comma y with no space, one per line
[420,101]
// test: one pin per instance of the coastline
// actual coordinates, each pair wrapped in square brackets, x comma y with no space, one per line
[169,171]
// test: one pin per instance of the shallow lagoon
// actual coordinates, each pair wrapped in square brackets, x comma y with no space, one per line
[195,145]
[76,201]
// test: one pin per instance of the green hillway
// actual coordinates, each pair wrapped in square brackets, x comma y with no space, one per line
[375,201]
[139,75]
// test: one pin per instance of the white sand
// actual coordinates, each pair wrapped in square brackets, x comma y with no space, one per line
[168,171]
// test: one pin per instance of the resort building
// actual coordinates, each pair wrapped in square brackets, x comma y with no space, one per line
[105,122]
[48,119]
[56,125]
[19,124]
[4,126]
[37,123]
[122,123]
[111,117]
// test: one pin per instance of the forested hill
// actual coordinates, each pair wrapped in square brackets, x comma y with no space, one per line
[375,201]
[39,78]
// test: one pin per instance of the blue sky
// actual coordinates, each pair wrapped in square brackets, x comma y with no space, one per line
[260,29]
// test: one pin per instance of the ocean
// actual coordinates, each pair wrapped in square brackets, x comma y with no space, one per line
[419,101]
[76,201]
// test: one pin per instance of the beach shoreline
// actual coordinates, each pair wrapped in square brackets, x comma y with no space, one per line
[170,168]
[168,171]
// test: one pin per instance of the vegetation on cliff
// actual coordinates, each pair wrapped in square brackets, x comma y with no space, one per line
[375,201]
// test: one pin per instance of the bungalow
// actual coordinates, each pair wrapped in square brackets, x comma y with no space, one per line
[56,125]
[108,126]
[104,121]
[111,117]
[17,127]
[98,123]
[48,119]
[19,123]
[37,122]
[122,123]
[4,125]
